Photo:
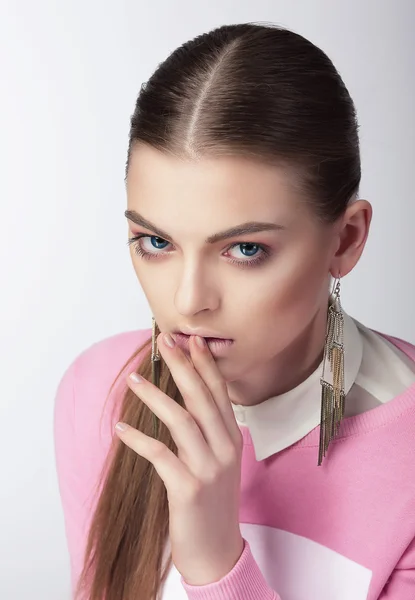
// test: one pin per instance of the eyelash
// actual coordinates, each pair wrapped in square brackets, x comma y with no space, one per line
[135,241]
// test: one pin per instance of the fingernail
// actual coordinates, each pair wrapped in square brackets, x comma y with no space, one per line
[136,378]
[121,426]
[169,340]
[200,341]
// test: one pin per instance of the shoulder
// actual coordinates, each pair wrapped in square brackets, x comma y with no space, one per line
[377,338]
[83,429]
[106,357]
[84,387]
[103,360]
[111,352]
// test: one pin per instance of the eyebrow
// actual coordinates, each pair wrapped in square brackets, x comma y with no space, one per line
[243,229]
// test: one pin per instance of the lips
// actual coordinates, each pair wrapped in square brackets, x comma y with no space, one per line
[217,345]
[208,338]
[205,333]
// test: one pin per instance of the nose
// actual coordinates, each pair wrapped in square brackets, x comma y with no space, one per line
[197,290]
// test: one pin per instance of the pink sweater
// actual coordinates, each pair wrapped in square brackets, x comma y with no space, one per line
[342,531]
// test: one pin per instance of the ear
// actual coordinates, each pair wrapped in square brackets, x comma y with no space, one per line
[352,233]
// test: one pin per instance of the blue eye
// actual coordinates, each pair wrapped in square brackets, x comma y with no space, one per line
[141,248]
[158,242]
[249,249]
[147,246]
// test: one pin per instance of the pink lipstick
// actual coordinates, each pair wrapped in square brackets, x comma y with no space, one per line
[217,346]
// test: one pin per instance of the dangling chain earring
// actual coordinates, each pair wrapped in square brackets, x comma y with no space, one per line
[332,394]
[155,367]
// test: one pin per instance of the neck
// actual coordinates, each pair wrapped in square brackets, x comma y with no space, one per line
[286,370]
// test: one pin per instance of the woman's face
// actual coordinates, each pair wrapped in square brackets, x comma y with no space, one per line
[261,288]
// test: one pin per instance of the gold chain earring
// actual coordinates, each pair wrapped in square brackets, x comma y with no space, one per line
[332,394]
[155,366]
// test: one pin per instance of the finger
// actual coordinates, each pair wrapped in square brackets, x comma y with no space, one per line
[184,430]
[198,398]
[175,475]
[207,368]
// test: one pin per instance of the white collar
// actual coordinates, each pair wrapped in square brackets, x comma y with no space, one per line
[282,420]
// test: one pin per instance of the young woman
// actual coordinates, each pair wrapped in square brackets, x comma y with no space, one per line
[266,449]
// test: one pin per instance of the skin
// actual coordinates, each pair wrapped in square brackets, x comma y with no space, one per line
[275,311]
[203,480]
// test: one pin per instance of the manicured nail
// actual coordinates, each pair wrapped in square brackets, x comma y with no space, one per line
[121,426]
[201,342]
[136,378]
[169,340]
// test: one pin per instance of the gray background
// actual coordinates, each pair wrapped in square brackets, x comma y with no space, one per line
[70,73]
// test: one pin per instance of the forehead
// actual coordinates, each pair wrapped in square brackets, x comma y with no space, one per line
[209,193]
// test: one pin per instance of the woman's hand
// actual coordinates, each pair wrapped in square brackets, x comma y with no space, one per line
[203,481]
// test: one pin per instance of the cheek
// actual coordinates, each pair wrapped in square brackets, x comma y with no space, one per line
[290,298]
[158,285]
[149,285]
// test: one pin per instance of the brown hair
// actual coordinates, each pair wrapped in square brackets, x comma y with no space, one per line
[259,91]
